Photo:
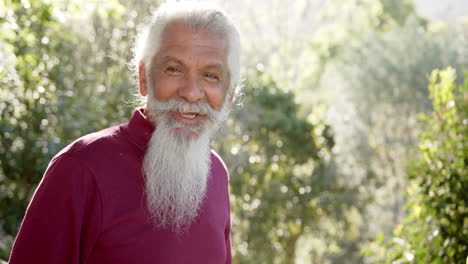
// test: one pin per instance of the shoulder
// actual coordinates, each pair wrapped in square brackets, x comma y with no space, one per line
[66,178]
[218,164]
[94,144]
[65,172]
[74,167]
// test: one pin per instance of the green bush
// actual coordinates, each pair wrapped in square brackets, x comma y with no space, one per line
[57,85]
[284,190]
[436,229]
[50,94]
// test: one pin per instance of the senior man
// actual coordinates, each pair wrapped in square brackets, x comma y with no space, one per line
[150,190]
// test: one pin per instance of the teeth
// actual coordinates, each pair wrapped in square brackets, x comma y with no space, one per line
[188,115]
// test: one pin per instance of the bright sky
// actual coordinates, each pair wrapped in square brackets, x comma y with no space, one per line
[442,9]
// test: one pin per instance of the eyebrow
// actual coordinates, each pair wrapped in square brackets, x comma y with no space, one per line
[214,66]
[167,59]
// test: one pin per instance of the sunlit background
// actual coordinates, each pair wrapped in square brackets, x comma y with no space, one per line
[331,160]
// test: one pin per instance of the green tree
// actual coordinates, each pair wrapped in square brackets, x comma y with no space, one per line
[66,76]
[53,91]
[375,92]
[435,230]
[279,182]
[31,86]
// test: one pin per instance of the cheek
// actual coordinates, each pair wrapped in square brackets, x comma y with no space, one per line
[163,89]
[216,97]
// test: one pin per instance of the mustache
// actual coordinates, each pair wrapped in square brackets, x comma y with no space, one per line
[181,106]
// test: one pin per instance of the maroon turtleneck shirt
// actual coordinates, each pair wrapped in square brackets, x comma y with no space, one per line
[90,208]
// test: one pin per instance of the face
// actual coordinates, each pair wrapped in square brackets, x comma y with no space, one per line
[190,66]
[186,92]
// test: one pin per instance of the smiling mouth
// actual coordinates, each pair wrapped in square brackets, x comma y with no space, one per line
[189,115]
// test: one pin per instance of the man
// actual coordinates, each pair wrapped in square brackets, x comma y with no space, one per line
[150,190]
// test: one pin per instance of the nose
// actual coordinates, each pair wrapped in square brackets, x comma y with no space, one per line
[191,90]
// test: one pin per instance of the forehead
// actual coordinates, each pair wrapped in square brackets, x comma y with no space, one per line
[180,41]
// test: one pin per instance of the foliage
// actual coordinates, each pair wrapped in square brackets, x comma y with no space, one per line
[279,181]
[435,230]
[375,92]
[298,191]
[29,104]
[50,94]
[348,24]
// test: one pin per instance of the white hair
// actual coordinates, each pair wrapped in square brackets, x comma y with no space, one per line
[176,174]
[177,169]
[198,16]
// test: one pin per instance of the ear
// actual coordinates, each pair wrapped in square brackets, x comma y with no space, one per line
[142,79]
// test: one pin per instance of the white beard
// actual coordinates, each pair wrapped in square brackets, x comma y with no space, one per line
[176,168]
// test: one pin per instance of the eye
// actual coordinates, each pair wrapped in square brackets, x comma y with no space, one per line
[211,76]
[173,70]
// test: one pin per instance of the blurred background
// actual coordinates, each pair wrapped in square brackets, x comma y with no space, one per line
[350,145]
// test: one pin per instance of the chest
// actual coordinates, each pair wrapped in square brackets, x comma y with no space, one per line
[128,236]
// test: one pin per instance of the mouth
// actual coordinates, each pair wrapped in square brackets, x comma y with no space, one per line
[191,118]
[189,115]
[188,124]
